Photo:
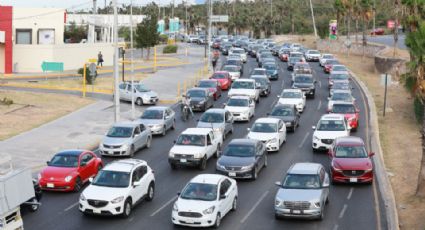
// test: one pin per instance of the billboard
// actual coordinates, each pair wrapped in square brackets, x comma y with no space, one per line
[333,29]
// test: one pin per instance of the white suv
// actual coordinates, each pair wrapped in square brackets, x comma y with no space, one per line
[294,97]
[245,87]
[329,127]
[118,187]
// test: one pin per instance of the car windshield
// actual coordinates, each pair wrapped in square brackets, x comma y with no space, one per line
[199,191]
[340,86]
[231,68]
[238,51]
[122,132]
[269,67]
[218,76]
[339,68]
[282,112]
[152,114]
[238,102]
[331,125]
[243,85]
[314,52]
[232,62]
[291,95]
[264,127]
[114,179]
[296,54]
[188,139]
[207,84]
[338,76]
[141,88]
[332,62]
[258,72]
[341,97]
[212,117]
[301,181]
[342,108]
[196,93]
[260,80]
[303,79]
[350,152]
[234,150]
[69,161]
[328,56]
[294,59]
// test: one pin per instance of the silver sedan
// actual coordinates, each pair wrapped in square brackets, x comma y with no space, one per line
[159,119]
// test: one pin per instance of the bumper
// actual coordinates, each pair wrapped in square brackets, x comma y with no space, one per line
[272,146]
[310,213]
[341,178]
[108,210]
[198,107]
[184,161]
[114,152]
[240,116]
[156,130]
[240,174]
[61,186]
[204,221]
[319,145]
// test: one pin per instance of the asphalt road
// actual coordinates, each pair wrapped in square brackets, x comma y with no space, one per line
[350,207]
[389,40]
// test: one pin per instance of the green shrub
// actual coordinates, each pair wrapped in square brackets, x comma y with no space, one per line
[169,49]
[419,109]
[6,101]
[163,38]
[89,78]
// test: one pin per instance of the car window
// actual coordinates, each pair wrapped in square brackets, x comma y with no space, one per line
[142,127]
[86,158]
[264,127]
[289,94]
[236,150]
[122,86]
[120,132]
[331,125]
[187,139]
[322,175]
[223,187]
[199,191]
[64,161]
[285,111]
[212,117]
[301,181]
[137,130]
[239,102]
[154,114]
[350,152]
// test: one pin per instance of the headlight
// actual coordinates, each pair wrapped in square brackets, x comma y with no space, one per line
[209,210]
[316,204]
[277,202]
[247,167]
[82,197]
[300,104]
[274,140]
[117,200]
[201,102]
[68,178]
[124,146]
[335,168]
[175,208]
[39,176]
[220,166]
[171,154]
[218,130]
[315,138]
[368,170]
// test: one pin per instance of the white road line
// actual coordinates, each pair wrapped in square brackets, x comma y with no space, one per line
[283,84]
[319,105]
[131,219]
[304,139]
[320,84]
[350,193]
[274,103]
[71,206]
[341,214]
[335,227]
[255,206]
[163,206]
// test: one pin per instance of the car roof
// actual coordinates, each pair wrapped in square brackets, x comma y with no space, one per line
[125,165]
[306,168]
[73,152]
[207,179]
[239,97]
[332,117]
[258,76]
[267,120]
[197,131]
[215,110]
[259,69]
[197,88]
[128,124]
[245,79]
[342,91]
[292,90]
[349,140]
[156,108]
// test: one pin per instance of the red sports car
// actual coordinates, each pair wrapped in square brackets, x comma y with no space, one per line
[69,170]
[224,78]
[350,162]
[212,85]
[350,112]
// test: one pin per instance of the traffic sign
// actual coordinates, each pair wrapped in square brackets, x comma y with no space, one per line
[219,18]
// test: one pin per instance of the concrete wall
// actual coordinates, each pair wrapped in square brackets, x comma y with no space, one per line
[356,48]
[28,58]
[393,66]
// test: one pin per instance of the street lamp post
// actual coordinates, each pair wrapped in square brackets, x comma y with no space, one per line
[209,35]
[133,109]
[116,71]
[314,22]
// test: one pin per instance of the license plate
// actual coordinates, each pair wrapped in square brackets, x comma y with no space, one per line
[50,185]
[189,221]
[232,174]
[296,211]
[353,180]
[96,211]
[183,160]
[110,152]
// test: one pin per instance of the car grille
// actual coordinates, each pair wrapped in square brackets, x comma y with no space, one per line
[190,214]
[12,217]
[353,172]
[233,168]
[297,205]
[327,141]
[183,156]
[97,203]
[112,146]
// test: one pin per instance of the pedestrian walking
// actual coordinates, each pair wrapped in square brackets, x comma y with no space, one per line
[100,59]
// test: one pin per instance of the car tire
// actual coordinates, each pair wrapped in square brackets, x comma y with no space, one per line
[127,208]
[314,150]
[322,214]
[217,221]
[132,151]
[164,131]
[78,184]
[254,173]
[265,161]
[151,192]
[33,207]
[203,163]
[148,142]
[277,217]
[173,126]
[139,101]
[235,204]
[217,155]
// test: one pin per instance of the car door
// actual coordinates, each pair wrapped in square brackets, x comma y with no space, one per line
[225,201]
[136,189]
[122,91]
[251,107]
[144,134]
[211,146]
[281,131]
[137,138]
[86,166]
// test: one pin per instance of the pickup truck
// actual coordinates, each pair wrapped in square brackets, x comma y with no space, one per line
[194,147]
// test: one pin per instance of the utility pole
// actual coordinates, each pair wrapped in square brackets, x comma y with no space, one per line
[172,10]
[314,22]
[374,16]
[209,35]
[133,109]
[116,71]
[271,9]
[185,24]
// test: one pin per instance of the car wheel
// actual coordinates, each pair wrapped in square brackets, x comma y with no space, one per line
[127,209]
[322,214]
[174,125]
[164,131]
[173,166]
[327,200]
[132,151]
[139,101]
[314,150]
[224,135]
[78,184]
[235,204]
[217,221]
[254,173]
[217,153]
[148,142]
[265,161]
[277,217]
[203,163]
[33,207]
[151,192]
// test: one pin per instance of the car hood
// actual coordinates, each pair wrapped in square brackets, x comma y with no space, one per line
[115,140]
[235,161]
[197,99]
[352,163]
[187,149]
[185,205]
[299,194]
[151,121]
[149,93]
[57,172]
[241,92]
[103,193]
[330,134]
[237,109]
[291,101]
[262,136]
[285,118]
[303,85]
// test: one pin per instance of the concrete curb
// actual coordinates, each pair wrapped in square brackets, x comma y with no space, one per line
[384,183]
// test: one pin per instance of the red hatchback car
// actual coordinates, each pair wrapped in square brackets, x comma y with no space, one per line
[350,162]
[69,170]
[224,78]
[212,85]
[350,112]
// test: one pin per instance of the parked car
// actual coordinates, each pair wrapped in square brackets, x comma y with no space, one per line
[288,114]
[243,158]
[213,85]
[350,112]
[263,83]
[350,162]
[194,147]
[205,200]
[142,95]
[159,119]
[271,131]
[306,83]
[303,192]
[118,188]
[68,170]
[224,78]
[340,96]
[312,55]
[242,108]
[220,120]
[246,87]
[329,127]
[200,99]
[293,97]
[233,70]
[324,57]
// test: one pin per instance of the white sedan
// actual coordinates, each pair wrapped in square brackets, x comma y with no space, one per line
[271,131]
[205,200]
[293,97]
[242,108]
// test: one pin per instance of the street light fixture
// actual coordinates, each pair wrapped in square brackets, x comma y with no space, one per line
[116,73]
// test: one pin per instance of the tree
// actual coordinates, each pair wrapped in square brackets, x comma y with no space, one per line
[74,33]
[147,35]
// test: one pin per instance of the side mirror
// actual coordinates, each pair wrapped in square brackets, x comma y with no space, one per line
[313,127]
[223,197]
[136,135]
[224,104]
[137,183]
[178,193]
[91,179]
[47,162]
[325,184]
[278,183]
[248,129]
[268,114]
[174,141]
[82,164]
[371,154]
[329,98]
[278,96]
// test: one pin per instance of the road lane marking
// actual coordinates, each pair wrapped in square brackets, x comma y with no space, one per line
[131,219]
[319,105]
[304,139]
[335,227]
[350,193]
[255,206]
[71,206]
[320,84]
[283,84]
[163,206]
[341,214]
[274,103]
